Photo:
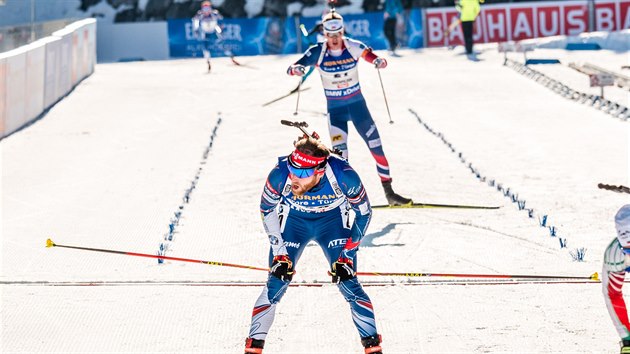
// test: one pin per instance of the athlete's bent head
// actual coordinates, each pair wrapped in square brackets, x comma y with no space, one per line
[307,164]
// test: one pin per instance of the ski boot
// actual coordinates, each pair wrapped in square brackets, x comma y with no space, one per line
[392,197]
[209,65]
[254,346]
[625,346]
[372,344]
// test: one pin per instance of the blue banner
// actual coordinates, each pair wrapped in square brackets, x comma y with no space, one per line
[271,35]
[414,29]
[239,36]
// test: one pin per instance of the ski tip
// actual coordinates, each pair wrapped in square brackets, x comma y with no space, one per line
[594,276]
[49,243]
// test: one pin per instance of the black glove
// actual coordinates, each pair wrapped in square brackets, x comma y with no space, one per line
[342,270]
[282,267]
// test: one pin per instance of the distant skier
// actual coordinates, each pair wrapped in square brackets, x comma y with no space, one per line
[616,265]
[308,196]
[337,59]
[207,30]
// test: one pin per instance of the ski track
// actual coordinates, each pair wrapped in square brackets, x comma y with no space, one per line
[107,165]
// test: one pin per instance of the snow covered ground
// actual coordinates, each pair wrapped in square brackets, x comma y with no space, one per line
[109,165]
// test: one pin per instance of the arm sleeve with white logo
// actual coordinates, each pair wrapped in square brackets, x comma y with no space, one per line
[311,55]
[357,197]
[356,48]
[270,198]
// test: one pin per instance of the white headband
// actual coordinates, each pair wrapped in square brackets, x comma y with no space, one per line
[333,26]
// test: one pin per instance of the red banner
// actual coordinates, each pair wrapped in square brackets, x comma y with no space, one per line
[508,22]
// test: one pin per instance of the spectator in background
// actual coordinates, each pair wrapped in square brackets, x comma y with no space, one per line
[393,15]
[468,12]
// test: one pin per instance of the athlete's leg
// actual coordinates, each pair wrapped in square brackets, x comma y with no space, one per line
[338,128]
[295,232]
[363,122]
[206,51]
[331,237]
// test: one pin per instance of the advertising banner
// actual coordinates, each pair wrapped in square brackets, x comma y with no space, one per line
[238,36]
[508,22]
[258,36]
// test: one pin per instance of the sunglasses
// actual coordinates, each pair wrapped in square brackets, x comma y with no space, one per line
[333,35]
[301,172]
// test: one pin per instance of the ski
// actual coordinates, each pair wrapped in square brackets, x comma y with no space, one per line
[428,205]
[238,63]
[234,61]
[295,90]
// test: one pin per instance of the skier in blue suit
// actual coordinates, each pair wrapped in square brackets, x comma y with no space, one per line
[337,61]
[308,196]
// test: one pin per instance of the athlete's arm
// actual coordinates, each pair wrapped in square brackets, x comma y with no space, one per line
[358,199]
[268,201]
[308,59]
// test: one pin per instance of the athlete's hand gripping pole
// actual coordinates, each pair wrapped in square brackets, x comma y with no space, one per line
[282,267]
[342,270]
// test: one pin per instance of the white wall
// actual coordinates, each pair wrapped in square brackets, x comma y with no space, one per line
[16,89]
[3,94]
[142,40]
[36,76]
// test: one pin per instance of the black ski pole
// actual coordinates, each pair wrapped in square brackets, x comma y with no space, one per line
[384,96]
[297,103]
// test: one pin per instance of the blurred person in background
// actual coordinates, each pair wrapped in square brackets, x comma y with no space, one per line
[206,29]
[468,12]
[393,16]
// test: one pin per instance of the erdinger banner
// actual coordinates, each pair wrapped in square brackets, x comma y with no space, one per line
[257,36]
[239,36]
[499,23]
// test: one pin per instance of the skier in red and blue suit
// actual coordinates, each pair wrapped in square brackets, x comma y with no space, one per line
[337,60]
[308,196]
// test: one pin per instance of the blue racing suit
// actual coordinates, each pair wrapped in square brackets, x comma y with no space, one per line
[340,79]
[322,215]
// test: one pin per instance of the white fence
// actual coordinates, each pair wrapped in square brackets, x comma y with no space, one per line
[36,76]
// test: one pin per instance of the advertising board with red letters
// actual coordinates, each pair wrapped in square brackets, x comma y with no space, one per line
[514,22]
